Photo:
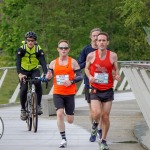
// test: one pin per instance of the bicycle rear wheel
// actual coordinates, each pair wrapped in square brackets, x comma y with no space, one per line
[34,112]
[29,117]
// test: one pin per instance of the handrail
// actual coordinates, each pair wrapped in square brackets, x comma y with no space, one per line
[3,68]
[120,62]
[145,66]
[118,86]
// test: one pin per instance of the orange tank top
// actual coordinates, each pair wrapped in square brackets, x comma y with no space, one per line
[102,71]
[62,73]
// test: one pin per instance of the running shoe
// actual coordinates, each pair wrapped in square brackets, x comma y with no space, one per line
[93,135]
[103,145]
[63,143]
[40,110]
[99,133]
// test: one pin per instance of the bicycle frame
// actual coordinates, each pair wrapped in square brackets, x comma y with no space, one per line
[31,103]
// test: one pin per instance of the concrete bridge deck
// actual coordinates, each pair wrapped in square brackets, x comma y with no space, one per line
[126,122]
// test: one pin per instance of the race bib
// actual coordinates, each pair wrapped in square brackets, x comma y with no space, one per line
[101,78]
[61,78]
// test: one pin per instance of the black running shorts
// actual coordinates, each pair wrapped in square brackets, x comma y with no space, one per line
[103,96]
[64,101]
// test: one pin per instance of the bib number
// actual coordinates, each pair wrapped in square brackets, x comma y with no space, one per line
[101,78]
[61,78]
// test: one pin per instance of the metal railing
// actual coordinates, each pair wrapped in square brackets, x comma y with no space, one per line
[123,85]
[138,77]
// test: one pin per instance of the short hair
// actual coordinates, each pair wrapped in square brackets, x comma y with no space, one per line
[104,33]
[93,30]
[60,41]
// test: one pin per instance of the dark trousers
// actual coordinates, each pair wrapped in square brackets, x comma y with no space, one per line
[24,87]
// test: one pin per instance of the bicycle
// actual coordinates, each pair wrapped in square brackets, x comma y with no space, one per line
[1,127]
[31,105]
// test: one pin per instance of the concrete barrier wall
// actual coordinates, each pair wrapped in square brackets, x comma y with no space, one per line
[138,77]
[48,105]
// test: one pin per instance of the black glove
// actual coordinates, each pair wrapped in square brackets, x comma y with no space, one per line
[44,79]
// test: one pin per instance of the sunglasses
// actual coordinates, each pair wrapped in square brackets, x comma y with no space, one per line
[65,48]
[31,41]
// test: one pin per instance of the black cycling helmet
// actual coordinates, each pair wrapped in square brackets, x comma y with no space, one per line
[31,34]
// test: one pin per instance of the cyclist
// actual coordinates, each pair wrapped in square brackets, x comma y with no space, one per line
[29,55]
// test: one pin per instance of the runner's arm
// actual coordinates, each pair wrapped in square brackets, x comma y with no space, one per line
[87,67]
[77,71]
[116,68]
[50,72]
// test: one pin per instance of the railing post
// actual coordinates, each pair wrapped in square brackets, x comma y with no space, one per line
[15,94]
[81,88]
[3,77]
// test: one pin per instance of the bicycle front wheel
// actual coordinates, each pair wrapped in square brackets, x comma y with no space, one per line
[34,112]
[28,114]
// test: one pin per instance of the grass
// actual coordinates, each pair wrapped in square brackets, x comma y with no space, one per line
[8,86]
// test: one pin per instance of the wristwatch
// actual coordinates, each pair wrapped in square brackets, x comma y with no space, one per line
[72,81]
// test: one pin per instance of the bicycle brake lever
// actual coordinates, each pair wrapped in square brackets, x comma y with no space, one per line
[46,84]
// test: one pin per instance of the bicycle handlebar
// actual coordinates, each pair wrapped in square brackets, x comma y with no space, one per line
[43,80]
[38,78]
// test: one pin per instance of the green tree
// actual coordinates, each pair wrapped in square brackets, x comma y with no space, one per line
[53,20]
[136,16]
